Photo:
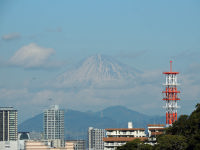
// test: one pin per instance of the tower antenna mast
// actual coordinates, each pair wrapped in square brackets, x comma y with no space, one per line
[170,96]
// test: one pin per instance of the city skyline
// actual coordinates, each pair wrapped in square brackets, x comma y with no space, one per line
[41,40]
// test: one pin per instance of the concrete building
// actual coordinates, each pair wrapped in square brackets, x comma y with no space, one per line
[48,145]
[8,124]
[119,136]
[70,145]
[154,130]
[75,145]
[8,145]
[8,128]
[41,145]
[54,126]
[95,138]
[35,135]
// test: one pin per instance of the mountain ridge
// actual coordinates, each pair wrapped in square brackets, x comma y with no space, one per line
[77,122]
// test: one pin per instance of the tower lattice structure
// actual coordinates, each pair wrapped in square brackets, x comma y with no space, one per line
[170,96]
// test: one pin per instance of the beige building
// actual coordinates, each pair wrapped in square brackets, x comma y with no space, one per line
[70,145]
[75,145]
[48,145]
[40,145]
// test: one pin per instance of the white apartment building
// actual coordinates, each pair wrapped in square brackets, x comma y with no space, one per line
[95,138]
[119,136]
[54,126]
[154,130]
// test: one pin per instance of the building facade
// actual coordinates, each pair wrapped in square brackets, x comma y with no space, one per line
[154,130]
[116,137]
[75,145]
[95,138]
[8,124]
[41,145]
[70,145]
[54,125]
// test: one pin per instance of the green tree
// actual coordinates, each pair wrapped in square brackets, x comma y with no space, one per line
[179,127]
[132,145]
[189,127]
[136,144]
[171,142]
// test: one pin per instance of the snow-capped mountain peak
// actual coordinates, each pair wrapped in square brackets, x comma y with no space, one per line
[97,69]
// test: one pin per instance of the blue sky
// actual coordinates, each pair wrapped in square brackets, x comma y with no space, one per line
[141,34]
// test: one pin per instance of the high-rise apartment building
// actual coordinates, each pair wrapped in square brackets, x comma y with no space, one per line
[54,125]
[8,124]
[95,138]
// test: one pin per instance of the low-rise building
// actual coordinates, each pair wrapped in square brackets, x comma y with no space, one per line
[41,145]
[75,145]
[119,136]
[154,130]
[70,145]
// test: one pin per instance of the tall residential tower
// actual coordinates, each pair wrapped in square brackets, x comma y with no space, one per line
[54,125]
[8,124]
[95,138]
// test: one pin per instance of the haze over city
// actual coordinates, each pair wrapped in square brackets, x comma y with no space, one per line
[88,55]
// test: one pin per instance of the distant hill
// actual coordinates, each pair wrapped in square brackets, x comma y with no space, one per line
[77,123]
[123,115]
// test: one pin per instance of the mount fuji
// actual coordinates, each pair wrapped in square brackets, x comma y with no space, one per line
[100,81]
[98,71]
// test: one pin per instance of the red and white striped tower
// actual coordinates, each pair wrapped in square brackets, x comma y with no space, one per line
[170,96]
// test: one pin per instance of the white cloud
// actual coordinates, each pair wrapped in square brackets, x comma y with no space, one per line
[145,97]
[11,36]
[31,56]
[11,94]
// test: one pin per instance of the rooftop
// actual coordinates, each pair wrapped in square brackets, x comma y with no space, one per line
[7,108]
[122,139]
[124,129]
